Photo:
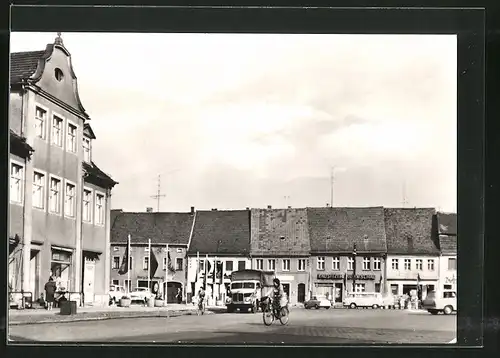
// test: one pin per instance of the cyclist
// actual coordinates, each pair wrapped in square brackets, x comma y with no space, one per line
[201,299]
[278,293]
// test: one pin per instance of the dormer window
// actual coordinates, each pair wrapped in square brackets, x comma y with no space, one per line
[86,150]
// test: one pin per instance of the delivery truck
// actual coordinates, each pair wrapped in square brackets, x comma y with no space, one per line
[247,289]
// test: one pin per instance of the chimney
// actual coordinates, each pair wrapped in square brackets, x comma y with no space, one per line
[192,210]
[269,207]
[214,209]
[248,208]
[327,205]
[289,207]
[149,209]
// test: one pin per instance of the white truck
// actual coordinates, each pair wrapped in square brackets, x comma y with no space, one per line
[246,289]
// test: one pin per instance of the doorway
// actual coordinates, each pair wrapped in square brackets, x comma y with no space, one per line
[301,292]
[172,290]
[339,292]
[34,276]
[286,288]
[88,281]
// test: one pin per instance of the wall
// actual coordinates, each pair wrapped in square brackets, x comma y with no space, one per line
[376,276]
[402,274]
[447,277]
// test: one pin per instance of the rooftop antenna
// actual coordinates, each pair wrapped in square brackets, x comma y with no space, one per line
[332,180]
[158,195]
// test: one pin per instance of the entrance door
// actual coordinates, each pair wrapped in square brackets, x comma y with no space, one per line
[301,292]
[88,281]
[286,288]
[339,292]
[172,289]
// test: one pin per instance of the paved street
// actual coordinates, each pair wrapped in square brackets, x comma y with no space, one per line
[305,326]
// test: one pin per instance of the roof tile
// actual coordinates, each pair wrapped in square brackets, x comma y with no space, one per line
[336,229]
[447,223]
[23,64]
[221,232]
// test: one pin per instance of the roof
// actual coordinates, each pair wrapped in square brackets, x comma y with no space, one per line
[335,229]
[278,232]
[97,176]
[161,228]
[221,232]
[23,65]
[410,231]
[87,131]
[448,244]
[447,223]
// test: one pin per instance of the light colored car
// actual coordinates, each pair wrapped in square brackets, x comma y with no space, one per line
[140,294]
[318,302]
[441,301]
[364,299]
[115,293]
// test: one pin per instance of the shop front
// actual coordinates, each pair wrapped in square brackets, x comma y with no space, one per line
[405,287]
[334,286]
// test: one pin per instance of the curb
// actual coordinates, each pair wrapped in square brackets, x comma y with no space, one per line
[106,316]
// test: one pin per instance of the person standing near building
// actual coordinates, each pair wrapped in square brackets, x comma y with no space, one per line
[50,290]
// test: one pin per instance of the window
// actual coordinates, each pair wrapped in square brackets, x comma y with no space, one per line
[55,195]
[69,200]
[336,263]
[377,287]
[302,265]
[146,249]
[447,287]
[350,264]
[164,264]
[99,209]
[430,265]
[57,131]
[271,265]
[241,265]
[286,265]
[395,264]
[452,264]
[16,182]
[376,263]
[407,264]
[179,264]
[419,264]
[71,138]
[145,263]
[40,122]
[87,205]
[202,265]
[366,263]
[320,264]
[360,287]
[60,267]
[115,282]
[395,289]
[259,264]
[86,150]
[229,265]
[130,263]
[38,190]
[116,262]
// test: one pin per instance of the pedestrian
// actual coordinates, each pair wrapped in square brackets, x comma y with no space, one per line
[50,290]
[179,296]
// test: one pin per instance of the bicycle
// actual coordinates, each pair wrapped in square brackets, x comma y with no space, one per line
[272,311]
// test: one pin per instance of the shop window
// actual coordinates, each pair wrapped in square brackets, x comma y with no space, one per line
[377,287]
[360,287]
[395,290]
[60,267]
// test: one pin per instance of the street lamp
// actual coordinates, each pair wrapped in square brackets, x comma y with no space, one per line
[354,254]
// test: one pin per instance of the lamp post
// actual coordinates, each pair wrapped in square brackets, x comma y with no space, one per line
[354,254]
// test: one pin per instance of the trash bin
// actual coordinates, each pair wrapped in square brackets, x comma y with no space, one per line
[67,308]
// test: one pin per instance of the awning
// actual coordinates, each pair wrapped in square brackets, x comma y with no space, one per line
[93,255]
[62,248]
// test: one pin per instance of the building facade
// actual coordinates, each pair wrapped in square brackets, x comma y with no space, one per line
[280,243]
[447,229]
[338,268]
[172,229]
[59,199]
[412,251]
[219,245]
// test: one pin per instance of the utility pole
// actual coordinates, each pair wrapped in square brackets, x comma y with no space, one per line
[158,195]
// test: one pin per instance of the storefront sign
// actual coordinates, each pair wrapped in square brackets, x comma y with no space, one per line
[451,280]
[337,276]
[146,277]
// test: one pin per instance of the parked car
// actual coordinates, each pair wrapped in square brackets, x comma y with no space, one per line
[115,293]
[318,302]
[364,299]
[441,301]
[141,294]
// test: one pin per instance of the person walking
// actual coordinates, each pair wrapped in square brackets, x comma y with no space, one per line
[50,290]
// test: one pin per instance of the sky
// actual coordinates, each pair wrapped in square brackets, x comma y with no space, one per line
[231,121]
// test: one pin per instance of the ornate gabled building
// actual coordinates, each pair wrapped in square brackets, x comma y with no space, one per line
[412,250]
[447,229]
[280,243]
[219,245]
[59,199]
[334,233]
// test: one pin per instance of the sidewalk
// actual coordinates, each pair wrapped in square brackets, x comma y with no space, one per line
[36,316]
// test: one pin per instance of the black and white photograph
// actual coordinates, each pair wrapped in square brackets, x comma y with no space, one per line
[212,188]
